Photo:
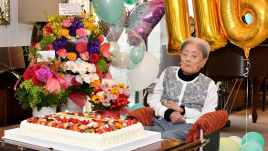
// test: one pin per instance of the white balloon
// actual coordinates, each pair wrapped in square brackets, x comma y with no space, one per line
[122,60]
[114,48]
[236,139]
[144,73]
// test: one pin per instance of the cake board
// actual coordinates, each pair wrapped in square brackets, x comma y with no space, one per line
[13,136]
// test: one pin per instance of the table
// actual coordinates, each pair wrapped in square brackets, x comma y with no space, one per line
[166,144]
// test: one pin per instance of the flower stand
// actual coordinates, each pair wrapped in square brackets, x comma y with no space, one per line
[118,113]
[43,111]
[71,107]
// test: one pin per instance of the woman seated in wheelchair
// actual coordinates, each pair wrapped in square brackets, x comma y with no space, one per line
[183,94]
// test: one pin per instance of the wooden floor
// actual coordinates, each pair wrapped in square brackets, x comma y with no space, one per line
[239,124]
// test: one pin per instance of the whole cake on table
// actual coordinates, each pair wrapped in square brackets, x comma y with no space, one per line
[82,129]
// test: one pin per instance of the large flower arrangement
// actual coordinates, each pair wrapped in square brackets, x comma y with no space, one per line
[110,97]
[43,85]
[77,43]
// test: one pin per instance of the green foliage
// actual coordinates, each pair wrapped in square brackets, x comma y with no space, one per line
[31,96]
[82,87]
[102,65]
[45,41]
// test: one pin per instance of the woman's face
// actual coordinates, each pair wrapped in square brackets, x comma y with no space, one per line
[192,59]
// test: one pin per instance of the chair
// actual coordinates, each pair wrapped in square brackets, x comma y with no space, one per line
[207,125]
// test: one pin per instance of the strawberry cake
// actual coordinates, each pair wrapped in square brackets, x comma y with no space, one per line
[82,129]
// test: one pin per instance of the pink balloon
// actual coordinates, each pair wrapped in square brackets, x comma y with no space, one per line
[145,17]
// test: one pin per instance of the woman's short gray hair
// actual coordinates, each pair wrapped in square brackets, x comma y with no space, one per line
[200,43]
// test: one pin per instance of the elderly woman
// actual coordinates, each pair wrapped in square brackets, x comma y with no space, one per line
[183,94]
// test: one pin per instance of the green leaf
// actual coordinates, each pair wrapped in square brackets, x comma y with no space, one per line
[39,108]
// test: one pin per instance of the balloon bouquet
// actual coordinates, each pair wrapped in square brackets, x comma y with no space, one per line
[126,33]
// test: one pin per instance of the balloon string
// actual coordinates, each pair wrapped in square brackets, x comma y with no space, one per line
[246,75]
[113,33]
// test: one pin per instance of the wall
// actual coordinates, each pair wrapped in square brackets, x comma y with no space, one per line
[15,34]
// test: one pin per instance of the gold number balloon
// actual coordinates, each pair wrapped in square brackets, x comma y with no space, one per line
[207,23]
[178,24]
[239,33]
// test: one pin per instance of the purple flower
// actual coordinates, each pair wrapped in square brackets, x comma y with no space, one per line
[76,24]
[59,44]
[73,39]
[94,47]
[83,39]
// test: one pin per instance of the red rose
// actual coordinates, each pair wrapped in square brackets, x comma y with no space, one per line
[62,53]
[37,82]
[81,47]
[49,47]
[28,74]
[74,82]
[36,67]
[122,96]
[100,38]
[94,58]
[99,90]
[47,30]
[113,106]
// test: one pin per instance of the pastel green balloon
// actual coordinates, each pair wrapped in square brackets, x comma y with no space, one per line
[108,10]
[130,1]
[136,106]
[253,136]
[251,146]
[227,144]
[114,48]
[131,65]
[136,54]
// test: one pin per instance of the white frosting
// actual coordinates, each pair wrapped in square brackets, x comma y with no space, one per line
[88,140]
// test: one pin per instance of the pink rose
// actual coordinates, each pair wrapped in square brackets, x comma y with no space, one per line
[66,23]
[53,85]
[81,32]
[64,83]
[84,56]
[62,53]
[37,46]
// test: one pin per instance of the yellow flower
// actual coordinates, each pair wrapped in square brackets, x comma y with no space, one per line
[96,5]
[64,32]
[96,99]
[115,91]
[71,56]
[121,85]
[95,83]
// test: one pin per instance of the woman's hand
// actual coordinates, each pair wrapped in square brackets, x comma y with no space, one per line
[176,118]
[173,105]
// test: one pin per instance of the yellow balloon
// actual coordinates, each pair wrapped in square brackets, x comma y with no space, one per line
[236,31]
[178,24]
[207,23]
